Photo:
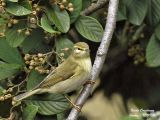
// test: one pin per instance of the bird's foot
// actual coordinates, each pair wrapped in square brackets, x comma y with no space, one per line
[77,107]
[90,82]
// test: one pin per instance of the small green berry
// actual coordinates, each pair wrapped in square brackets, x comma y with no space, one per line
[19,30]
[71,9]
[27,32]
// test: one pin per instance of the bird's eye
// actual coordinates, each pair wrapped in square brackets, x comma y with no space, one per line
[79,49]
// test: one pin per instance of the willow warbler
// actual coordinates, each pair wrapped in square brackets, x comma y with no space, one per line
[68,76]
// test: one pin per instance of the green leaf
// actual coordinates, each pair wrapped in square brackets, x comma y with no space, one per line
[34,79]
[13,0]
[1,90]
[61,43]
[13,37]
[3,28]
[19,9]
[7,70]
[35,42]
[89,28]
[153,15]
[2,21]
[122,12]
[9,54]
[136,10]
[29,112]
[26,4]
[153,48]
[49,104]
[61,116]
[86,4]
[157,32]
[77,4]
[59,18]
[46,25]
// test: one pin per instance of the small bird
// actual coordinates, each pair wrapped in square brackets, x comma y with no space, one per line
[68,76]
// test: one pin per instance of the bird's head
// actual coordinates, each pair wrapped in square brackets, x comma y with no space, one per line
[81,50]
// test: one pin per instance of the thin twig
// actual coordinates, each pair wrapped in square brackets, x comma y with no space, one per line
[100,57]
[94,7]
[74,34]
[138,33]
[123,38]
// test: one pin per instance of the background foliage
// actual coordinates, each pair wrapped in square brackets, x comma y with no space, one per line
[45,31]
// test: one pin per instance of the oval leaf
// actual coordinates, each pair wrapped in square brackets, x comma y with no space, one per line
[7,70]
[18,9]
[59,18]
[137,10]
[77,4]
[49,104]
[89,28]
[152,52]
[153,14]
[35,42]
[9,54]
[122,11]
[13,37]
[45,24]
[29,112]
[34,79]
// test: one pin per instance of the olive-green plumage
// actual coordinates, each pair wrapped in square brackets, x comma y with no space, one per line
[68,76]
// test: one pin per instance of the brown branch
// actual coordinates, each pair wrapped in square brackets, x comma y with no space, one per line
[72,32]
[94,7]
[138,32]
[100,57]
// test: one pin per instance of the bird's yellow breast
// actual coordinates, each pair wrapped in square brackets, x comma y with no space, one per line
[85,64]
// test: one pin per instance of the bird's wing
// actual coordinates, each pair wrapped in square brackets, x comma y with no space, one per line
[61,73]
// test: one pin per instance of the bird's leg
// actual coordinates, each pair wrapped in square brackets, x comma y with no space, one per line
[90,82]
[75,106]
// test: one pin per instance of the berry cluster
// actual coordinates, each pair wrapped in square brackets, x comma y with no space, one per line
[32,19]
[64,4]
[137,52]
[35,9]
[26,31]
[6,95]
[2,34]
[49,36]
[36,62]
[12,22]
[62,54]
[2,5]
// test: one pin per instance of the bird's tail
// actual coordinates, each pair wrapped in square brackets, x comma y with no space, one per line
[25,95]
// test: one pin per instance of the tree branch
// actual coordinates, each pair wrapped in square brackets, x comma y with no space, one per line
[100,57]
[74,35]
[94,7]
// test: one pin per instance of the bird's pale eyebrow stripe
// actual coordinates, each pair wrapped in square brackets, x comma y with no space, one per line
[79,47]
